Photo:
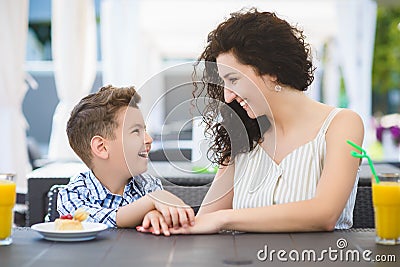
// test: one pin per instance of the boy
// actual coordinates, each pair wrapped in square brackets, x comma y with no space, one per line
[107,131]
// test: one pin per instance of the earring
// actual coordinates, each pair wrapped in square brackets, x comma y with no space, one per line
[278,88]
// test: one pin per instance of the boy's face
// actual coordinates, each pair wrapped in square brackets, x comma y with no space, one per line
[132,144]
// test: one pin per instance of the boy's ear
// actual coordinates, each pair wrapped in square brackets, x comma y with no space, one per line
[98,146]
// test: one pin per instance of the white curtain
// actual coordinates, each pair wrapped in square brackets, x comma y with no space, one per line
[74,58]
[14,31]
[356,36]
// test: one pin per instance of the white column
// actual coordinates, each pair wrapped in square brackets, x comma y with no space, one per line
[74,57]
[357,22]
[129,58]
[120,42]
[153,89]
[331,76]
[314,91]
[14,31]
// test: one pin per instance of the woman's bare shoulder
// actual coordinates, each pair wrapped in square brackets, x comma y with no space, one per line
[347,123]
[348,116]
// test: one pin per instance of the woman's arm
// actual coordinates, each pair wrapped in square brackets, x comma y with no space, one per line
[317,214]
[220,194]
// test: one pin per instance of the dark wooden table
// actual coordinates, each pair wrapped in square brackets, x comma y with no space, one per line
[126,247]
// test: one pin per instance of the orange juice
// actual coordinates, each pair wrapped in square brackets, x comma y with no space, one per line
[7,201]
[386,201]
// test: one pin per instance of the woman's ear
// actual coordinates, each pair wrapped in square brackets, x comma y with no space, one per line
[272,78]
[268,79]
[98,147]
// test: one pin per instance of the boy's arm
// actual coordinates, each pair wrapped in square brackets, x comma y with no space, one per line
[69,200]
[132,214]
[175,211]
[77,195]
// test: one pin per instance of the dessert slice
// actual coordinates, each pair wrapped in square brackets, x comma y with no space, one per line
[69,222]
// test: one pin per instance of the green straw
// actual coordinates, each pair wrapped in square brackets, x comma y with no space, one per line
[363,155]
[211,169]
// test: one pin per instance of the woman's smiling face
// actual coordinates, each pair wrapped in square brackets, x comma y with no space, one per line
[242,84]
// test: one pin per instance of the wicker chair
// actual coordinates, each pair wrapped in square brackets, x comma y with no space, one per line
[363,214]
[191,195]
[52,212]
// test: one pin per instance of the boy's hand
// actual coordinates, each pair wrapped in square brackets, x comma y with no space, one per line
[176,217]
[154,222]
[175,212]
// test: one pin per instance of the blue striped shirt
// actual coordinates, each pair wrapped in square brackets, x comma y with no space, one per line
[85,190]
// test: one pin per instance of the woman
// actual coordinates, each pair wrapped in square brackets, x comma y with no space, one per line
[294,172]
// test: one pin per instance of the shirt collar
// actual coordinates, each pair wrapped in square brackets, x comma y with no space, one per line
[100,192]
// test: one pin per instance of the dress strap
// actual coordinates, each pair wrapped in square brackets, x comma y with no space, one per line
[329,119]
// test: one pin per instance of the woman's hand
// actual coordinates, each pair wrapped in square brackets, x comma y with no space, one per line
[210,223]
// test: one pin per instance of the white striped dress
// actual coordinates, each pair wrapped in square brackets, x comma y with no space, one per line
[259,181]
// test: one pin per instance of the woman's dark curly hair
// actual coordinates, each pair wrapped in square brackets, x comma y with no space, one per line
[271,46]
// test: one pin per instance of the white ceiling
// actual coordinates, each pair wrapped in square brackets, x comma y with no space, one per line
[179,28]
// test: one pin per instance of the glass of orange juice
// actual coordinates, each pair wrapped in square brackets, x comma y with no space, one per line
[7,202]
[386,201]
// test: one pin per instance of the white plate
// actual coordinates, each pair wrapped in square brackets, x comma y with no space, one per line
[48,231]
